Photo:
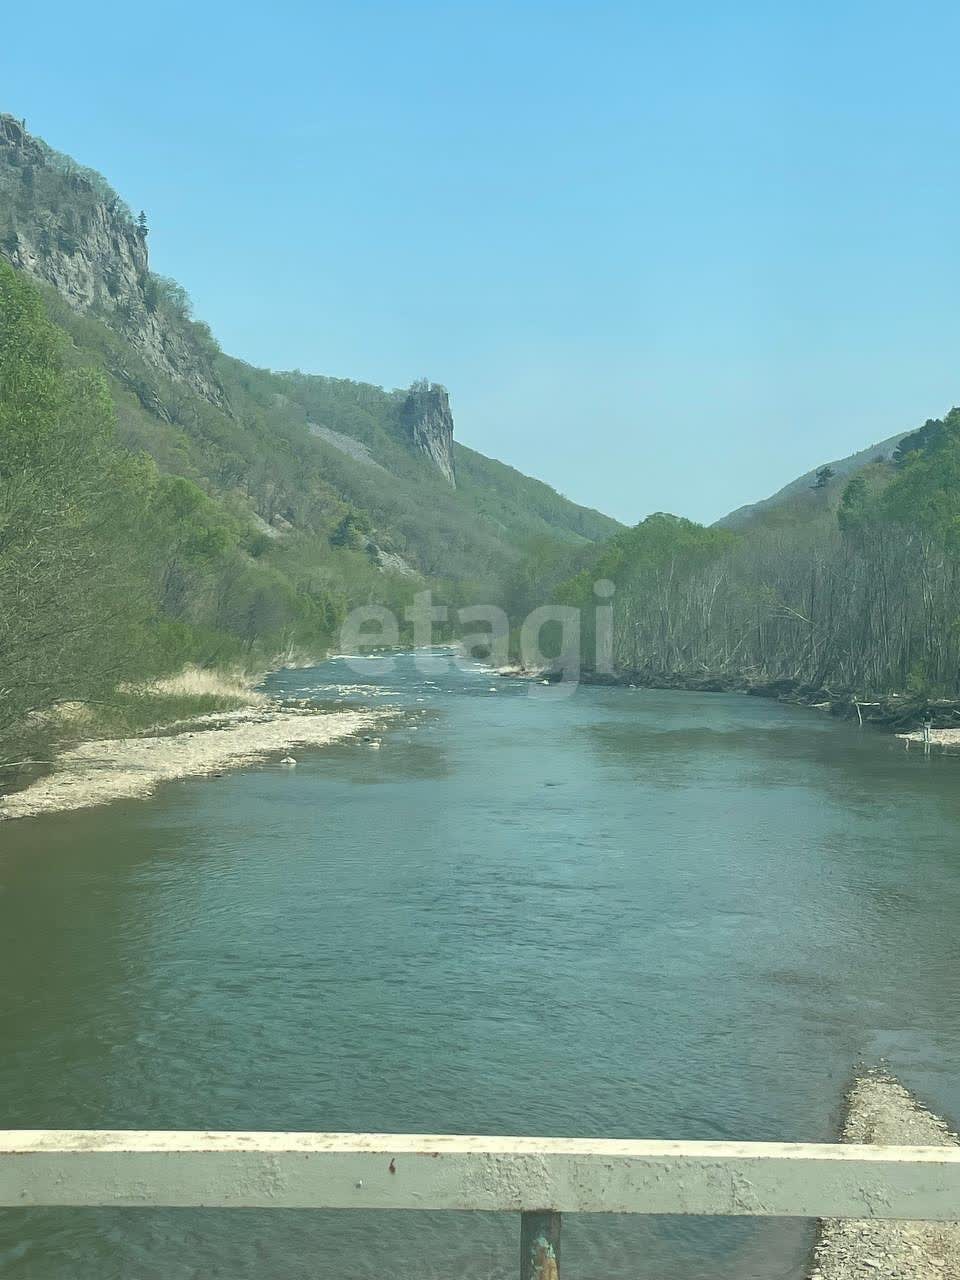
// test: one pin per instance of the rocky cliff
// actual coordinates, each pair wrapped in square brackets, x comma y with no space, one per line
[64,226]
[428,424]
[303,455]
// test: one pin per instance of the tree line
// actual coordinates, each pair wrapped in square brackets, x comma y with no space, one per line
[852,587]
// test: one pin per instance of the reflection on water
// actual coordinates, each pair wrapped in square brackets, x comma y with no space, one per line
[651,914]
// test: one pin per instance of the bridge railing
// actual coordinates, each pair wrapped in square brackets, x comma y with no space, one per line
[540,1178]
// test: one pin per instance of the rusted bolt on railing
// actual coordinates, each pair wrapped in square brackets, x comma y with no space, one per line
[540,1245]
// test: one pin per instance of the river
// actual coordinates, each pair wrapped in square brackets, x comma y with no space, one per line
[637,914]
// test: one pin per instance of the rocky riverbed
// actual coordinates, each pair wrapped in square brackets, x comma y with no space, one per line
[104,770]
[880,1110]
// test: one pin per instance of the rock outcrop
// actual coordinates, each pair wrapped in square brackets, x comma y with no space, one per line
[65,227]
[428,424]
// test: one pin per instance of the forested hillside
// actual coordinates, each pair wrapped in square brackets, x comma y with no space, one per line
[176,504]
[804,486]
[851,584]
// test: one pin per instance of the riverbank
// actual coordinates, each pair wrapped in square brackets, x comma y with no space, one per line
[900,713]
[103,770]
[880,1110]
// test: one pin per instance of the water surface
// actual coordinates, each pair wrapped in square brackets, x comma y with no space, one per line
[641,914]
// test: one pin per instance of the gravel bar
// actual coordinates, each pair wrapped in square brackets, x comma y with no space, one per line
[881,1110]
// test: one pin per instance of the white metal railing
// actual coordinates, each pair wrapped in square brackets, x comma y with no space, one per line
[538,1177]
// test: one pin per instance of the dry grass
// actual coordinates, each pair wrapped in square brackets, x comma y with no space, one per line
[150,708]
[198,682]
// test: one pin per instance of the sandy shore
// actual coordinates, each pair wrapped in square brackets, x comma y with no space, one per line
[880,1110]
[98,772]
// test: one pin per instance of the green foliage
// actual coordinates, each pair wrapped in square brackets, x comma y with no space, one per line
[651,567]
[925,494]
[74,599]
[854,504]
[662,541]
[919,683]
[919,441]
[352,531]
[860,511]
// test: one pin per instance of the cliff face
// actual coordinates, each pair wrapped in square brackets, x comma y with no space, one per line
[428,424]
[70,231]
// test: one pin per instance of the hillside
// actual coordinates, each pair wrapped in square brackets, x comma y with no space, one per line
[316,464]
[803,486]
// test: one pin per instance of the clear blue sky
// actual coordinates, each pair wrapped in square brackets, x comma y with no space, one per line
[665,256]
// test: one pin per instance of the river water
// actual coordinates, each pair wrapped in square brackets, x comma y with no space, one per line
[643,914]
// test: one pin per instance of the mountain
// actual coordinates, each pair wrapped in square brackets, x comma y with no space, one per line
[805,485]
[324,465]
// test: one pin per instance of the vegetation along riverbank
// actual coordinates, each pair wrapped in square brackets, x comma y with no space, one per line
[900,713]
[904,714]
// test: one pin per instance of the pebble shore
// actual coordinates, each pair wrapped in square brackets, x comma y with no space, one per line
[880,1110]
[104,770]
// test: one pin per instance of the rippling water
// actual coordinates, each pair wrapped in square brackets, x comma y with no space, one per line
[621,914]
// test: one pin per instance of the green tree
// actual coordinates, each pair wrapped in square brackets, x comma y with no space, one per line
[74,599]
